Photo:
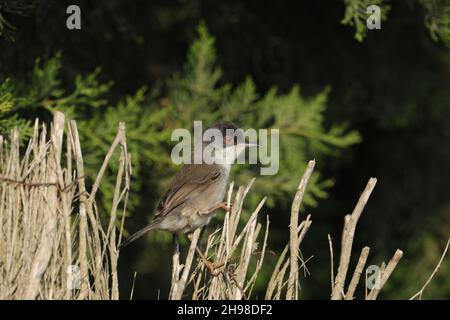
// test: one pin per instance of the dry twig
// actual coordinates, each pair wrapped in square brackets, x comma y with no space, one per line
[49,250]
[419,294]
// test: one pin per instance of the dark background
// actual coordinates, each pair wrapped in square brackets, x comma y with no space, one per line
[393,88]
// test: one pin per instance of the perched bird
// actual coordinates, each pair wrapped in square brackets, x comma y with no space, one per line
[197,190]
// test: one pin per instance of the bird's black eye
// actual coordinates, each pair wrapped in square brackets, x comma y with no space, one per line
[233,137]
[229,140]
[231,134]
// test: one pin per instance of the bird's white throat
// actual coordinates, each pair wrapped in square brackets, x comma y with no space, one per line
[226,156]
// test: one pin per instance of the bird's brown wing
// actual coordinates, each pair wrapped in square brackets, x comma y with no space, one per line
[192,178]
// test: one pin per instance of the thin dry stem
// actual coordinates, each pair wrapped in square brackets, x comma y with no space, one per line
[292,292]
[49,250]
[420,292]
[330,245]
[42,257]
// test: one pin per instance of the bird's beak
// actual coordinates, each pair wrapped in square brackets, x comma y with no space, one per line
[251,145]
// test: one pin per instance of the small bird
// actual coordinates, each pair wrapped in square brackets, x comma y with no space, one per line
[197,190]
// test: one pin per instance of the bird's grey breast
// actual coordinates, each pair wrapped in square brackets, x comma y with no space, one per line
[207,199]
[215,192]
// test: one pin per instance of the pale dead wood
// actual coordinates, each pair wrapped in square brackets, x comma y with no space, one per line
[29,184]
[277,282]
[330,245]
[176,269]
[180,282]
[385,274]
[43,258]
[350,222]
[117,140]
[132,286]
[82,252]
[259,264]
[43,255]
[246,255]
[118,194]
[275,274]
[357,274]
[347,240]
[293,243]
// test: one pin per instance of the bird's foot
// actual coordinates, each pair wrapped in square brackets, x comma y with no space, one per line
[213,267]
[222,205]
[227,208]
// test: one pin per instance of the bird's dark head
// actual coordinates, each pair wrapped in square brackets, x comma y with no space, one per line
[228,140]
[230,132]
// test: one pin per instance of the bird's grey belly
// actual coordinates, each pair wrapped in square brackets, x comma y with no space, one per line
[203,204]
[194,213]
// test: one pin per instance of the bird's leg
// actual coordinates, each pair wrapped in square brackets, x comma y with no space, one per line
[176,244]
[222,205]
[211,266]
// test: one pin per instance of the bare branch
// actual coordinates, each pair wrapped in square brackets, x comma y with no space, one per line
[357,274]
[180,283]
[347,240]
[293,243]
[385,274]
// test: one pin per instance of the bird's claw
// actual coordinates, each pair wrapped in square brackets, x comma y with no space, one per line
[222,205]
[213,266]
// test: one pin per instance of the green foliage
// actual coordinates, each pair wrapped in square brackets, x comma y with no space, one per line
[356,15]
[42,93]
[437,19]
[8,118]
[21,99]
[11,7]
[6,28]
[393,89]
[146,141]
[195,94]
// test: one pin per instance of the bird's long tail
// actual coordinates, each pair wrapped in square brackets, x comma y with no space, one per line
[139,233]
